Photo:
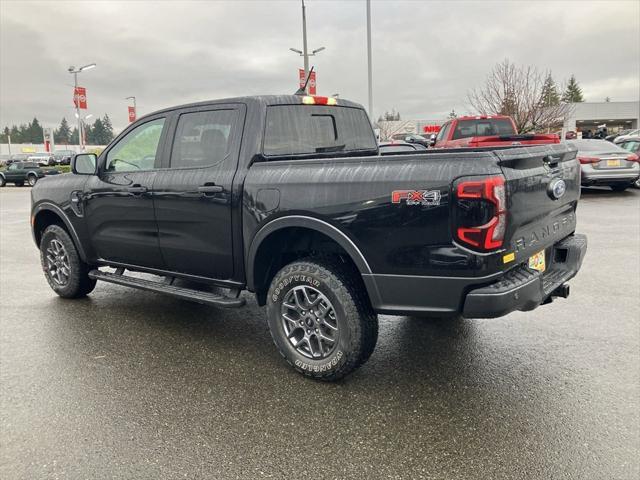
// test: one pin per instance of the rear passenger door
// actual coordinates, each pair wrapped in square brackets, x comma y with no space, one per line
[192,194]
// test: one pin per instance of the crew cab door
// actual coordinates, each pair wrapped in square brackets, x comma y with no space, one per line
[118,206]
[14,172]
[193,192]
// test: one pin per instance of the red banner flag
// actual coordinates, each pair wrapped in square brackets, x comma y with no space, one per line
[311,86]
[80,97]
[132,114]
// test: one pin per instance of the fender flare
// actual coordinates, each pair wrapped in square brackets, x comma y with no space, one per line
[31,172]
[46,206]
[310,223]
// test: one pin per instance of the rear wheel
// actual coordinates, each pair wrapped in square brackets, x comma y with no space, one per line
[32,179]
[66,273]
[320,319]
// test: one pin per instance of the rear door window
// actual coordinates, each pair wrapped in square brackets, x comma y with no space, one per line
[307,129]
[203,138]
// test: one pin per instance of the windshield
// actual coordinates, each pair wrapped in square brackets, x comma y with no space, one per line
[631,146]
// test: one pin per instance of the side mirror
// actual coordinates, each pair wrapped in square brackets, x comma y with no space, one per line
[84,164]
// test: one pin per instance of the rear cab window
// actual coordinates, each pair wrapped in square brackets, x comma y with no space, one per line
[310,129]
[483,127]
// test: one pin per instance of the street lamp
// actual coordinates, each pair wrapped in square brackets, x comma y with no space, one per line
[75,71]
[82,122]
[304,52]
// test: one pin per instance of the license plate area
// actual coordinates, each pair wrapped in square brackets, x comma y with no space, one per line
[538,261]
[613,163]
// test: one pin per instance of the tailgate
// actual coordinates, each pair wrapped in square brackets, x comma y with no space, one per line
[540,211]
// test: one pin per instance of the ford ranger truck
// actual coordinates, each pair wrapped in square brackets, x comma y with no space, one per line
[486,131]
[287,197]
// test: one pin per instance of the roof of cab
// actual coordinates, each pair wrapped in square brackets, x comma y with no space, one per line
[265,100]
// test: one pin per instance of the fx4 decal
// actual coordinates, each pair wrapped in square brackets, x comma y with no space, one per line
[416,197]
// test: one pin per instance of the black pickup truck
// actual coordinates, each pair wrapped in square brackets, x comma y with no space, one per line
[288,197]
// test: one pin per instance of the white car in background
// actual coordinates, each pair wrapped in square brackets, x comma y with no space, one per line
[44,159]
[622,138]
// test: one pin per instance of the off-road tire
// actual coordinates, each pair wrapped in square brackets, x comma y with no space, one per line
[79,284]
[32,180]
[357,323]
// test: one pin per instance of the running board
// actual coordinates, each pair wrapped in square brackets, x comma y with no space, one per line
[206,298]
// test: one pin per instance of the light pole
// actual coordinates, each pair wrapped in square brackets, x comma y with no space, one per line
[369,72]
[304,53]
[75,71]
[135,109]
[81,131]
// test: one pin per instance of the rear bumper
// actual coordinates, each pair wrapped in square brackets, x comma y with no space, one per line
[524,289]
[593,176]
[478,297]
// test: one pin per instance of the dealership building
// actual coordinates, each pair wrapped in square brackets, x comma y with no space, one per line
[614,115]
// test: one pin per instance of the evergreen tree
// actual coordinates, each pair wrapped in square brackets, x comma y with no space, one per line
[74,140]
[96,136]
[35,134]
[549,94]
[62,135]
[4,138]
[108,129]
[573,92]
[88,134]
[16,136]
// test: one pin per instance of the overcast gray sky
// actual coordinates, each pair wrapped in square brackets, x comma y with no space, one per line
[426,54]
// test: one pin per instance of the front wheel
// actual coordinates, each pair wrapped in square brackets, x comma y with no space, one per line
[63,268]
[3,182]
[32,180]
[320,318]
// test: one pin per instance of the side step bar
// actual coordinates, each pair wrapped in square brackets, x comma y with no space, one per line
[206,298]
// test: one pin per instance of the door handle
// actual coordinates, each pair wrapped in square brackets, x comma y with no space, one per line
[137,189]
[209,188]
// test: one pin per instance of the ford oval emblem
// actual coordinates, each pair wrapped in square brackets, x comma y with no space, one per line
[557,188]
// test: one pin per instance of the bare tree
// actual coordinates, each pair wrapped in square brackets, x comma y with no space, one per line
[519,91]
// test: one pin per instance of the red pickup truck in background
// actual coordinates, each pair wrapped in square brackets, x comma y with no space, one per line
[486,131]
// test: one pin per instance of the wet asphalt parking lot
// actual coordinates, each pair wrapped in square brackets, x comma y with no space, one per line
[130,384]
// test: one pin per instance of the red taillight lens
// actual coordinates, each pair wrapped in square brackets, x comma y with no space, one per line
[633,158]
[490,235]
[587,160]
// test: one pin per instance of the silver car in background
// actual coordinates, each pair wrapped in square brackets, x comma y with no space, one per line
[604,163]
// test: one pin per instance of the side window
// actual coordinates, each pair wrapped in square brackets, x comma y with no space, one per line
[13,166]
[137,150]
[202,139]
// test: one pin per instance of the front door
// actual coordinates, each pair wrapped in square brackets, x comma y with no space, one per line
[118,202]
[193,195]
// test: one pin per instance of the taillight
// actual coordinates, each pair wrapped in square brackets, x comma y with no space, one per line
[490,234]
[587,160]
[633,158]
